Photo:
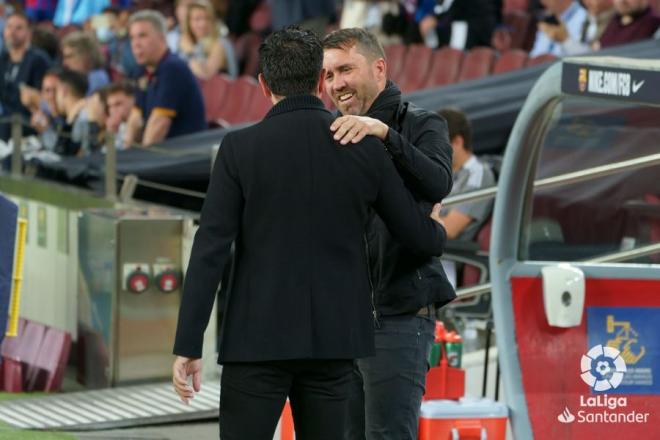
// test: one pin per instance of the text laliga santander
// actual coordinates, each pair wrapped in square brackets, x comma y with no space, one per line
[603,401]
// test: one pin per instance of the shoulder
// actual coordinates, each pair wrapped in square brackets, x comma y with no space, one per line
[38,56]
[174,64]
[419,116]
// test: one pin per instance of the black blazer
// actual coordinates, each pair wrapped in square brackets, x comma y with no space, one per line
[295,203]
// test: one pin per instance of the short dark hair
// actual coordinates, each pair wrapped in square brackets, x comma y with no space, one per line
[366,42]
[458,124]
[291,60]
[124,86]
[76,81]
[20,14]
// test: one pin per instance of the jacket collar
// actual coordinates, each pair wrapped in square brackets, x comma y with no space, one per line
[386,105]
[297,102]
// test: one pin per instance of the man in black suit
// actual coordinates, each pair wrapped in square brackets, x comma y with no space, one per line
[295,203]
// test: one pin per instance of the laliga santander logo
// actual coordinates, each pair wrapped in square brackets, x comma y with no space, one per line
[602,368]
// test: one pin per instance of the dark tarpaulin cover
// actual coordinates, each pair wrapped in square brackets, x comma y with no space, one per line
[8,218]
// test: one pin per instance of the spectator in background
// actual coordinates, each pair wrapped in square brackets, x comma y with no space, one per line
[46,40]
[81,52]
[314,15]
[169,97]
[181,15]
[600,13]
[635,20]
[200,44]
[77,11]
[74,137]
[461,24]
[566,13]
[120,100]
[45,118]
[463,221]
[111,29]
[20,64]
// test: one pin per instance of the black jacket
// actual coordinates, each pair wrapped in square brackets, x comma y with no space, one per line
[405,281]
[296,204]
[30,71]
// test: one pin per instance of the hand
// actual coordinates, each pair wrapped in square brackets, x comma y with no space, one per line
[355,128]
[96,109]
[30,97]
[556,33]
[435,214]
[39,121]
[182,368]
[427,24]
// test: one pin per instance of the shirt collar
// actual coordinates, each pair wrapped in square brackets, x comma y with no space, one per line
[569,12]
[151,75]
[296,102]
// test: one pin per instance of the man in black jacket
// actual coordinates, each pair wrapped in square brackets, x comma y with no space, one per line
[407,287]
[20,64]
[295,204]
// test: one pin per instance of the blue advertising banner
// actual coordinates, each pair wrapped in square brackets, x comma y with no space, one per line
[634,333]
[8,218]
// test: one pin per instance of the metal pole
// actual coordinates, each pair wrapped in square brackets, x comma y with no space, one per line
[17,140]
[484,384]
[110,168]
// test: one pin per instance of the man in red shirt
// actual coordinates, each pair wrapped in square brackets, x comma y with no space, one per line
[635,20]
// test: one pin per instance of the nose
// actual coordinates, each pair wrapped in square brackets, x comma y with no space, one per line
[338,83]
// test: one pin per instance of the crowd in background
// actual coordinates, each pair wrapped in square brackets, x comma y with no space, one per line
[79,71]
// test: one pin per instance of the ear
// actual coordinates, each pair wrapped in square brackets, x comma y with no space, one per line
[320,87]
[380,69]
[264,87]
[458,142]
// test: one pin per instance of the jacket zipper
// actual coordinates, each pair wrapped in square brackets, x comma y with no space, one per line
[371,285]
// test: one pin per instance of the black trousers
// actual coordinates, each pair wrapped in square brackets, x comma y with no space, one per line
[252,396]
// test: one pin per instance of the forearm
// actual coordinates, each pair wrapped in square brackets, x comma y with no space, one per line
[156,130]
[430,175]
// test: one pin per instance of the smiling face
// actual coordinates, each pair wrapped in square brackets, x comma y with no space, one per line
[352,80]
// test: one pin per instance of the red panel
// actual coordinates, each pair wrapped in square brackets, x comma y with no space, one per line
[550,360]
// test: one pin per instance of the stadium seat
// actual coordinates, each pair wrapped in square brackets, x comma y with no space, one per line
[236,108]
[395,55]
[478,63]
[415,73]
[471,274]
[510,60]
[47,370]
[541,59]
[259,106]
[445,67]
[19,352]
[214,91]
[11,376]
[246,49]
